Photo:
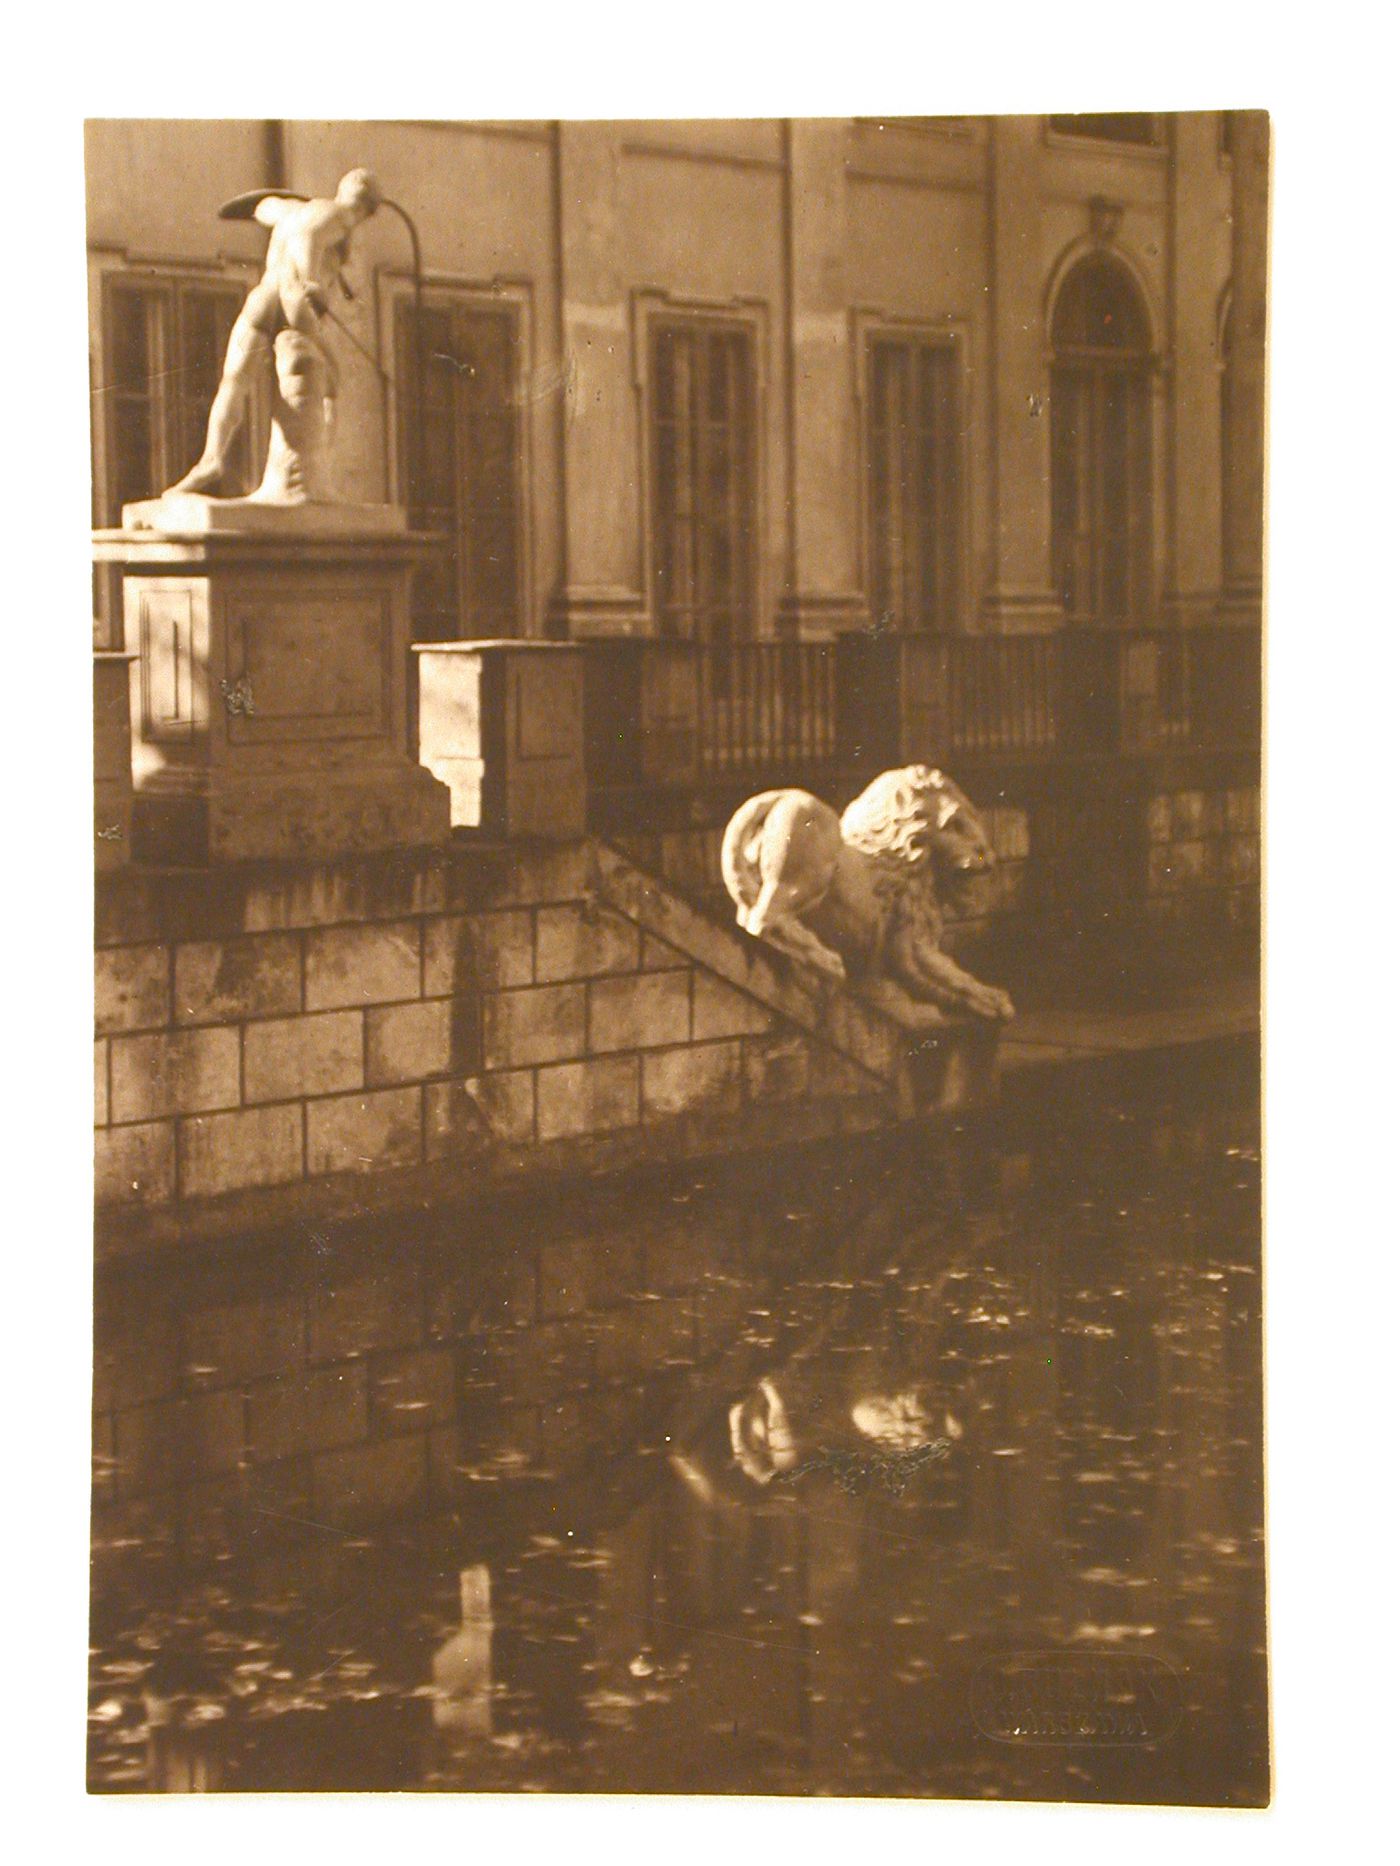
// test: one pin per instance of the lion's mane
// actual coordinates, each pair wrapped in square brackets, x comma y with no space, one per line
[897,814]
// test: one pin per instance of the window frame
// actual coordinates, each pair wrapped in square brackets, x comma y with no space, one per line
[651,306]
[1086,142]
[1135,366]
[113,269]
[953,336]
[171,286]
[700,429]
[509,297]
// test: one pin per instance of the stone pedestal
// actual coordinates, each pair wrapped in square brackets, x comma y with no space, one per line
[501,723]
[269,705]
[111,759]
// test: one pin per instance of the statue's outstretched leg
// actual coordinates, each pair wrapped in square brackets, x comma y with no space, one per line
[932,975]
[247,345]
[789,935]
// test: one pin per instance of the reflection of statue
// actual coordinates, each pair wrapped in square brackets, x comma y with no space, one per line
[306,259]
[462,1664]
[858,895]
[883,1436]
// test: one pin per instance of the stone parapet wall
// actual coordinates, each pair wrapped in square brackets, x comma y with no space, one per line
[1204,855]
[344,1026]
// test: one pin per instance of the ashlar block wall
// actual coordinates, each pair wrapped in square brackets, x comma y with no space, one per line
[347,1026]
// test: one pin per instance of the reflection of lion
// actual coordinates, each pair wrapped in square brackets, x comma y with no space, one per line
[858,895]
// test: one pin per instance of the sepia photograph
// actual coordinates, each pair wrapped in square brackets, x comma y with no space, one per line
[677,769]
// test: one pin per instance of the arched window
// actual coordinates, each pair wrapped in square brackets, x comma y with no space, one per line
[1101,447]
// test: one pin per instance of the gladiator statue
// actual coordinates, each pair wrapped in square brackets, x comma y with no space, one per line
[306,259]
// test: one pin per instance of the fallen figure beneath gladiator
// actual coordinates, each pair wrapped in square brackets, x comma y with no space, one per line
[861,896]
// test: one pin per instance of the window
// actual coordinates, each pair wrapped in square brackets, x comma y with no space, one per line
[912,491]
[164,342]
[459,466]
[1138,127]
[703,480]
[1100,447]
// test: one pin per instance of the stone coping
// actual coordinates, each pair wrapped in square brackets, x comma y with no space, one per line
[154,551]
[410,1196]
[195,514]
[532,643]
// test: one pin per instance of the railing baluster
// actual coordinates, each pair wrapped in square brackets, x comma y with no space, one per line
[771,728]
[767,711]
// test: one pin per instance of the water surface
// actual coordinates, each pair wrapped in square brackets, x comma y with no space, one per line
[770,1516]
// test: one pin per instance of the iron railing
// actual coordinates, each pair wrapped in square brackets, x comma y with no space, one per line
[670,715]
[766,705]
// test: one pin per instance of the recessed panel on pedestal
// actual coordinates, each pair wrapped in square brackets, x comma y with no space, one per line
[309,666]
[172,640]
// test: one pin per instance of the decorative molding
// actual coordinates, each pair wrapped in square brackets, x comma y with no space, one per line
[219,267]
[521,132]
[949,332]
[1021,612]
[809,615]
[1105,219]
[717,158]
[951,129]
[1119,254]
[1107,147]
[600,612]
[922,183]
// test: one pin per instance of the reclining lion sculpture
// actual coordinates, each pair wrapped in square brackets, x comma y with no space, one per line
[858,895]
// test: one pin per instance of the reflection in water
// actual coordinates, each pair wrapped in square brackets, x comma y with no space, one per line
[462,1664]
[1005,1404]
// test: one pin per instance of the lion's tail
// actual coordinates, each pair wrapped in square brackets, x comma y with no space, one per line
[739,859]
[761,912]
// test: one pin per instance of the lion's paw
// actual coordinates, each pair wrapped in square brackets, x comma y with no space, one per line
[989,1001]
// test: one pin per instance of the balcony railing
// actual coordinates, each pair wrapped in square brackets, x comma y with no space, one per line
[766,705]
[675,715]
[665,716]
[1002,694]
